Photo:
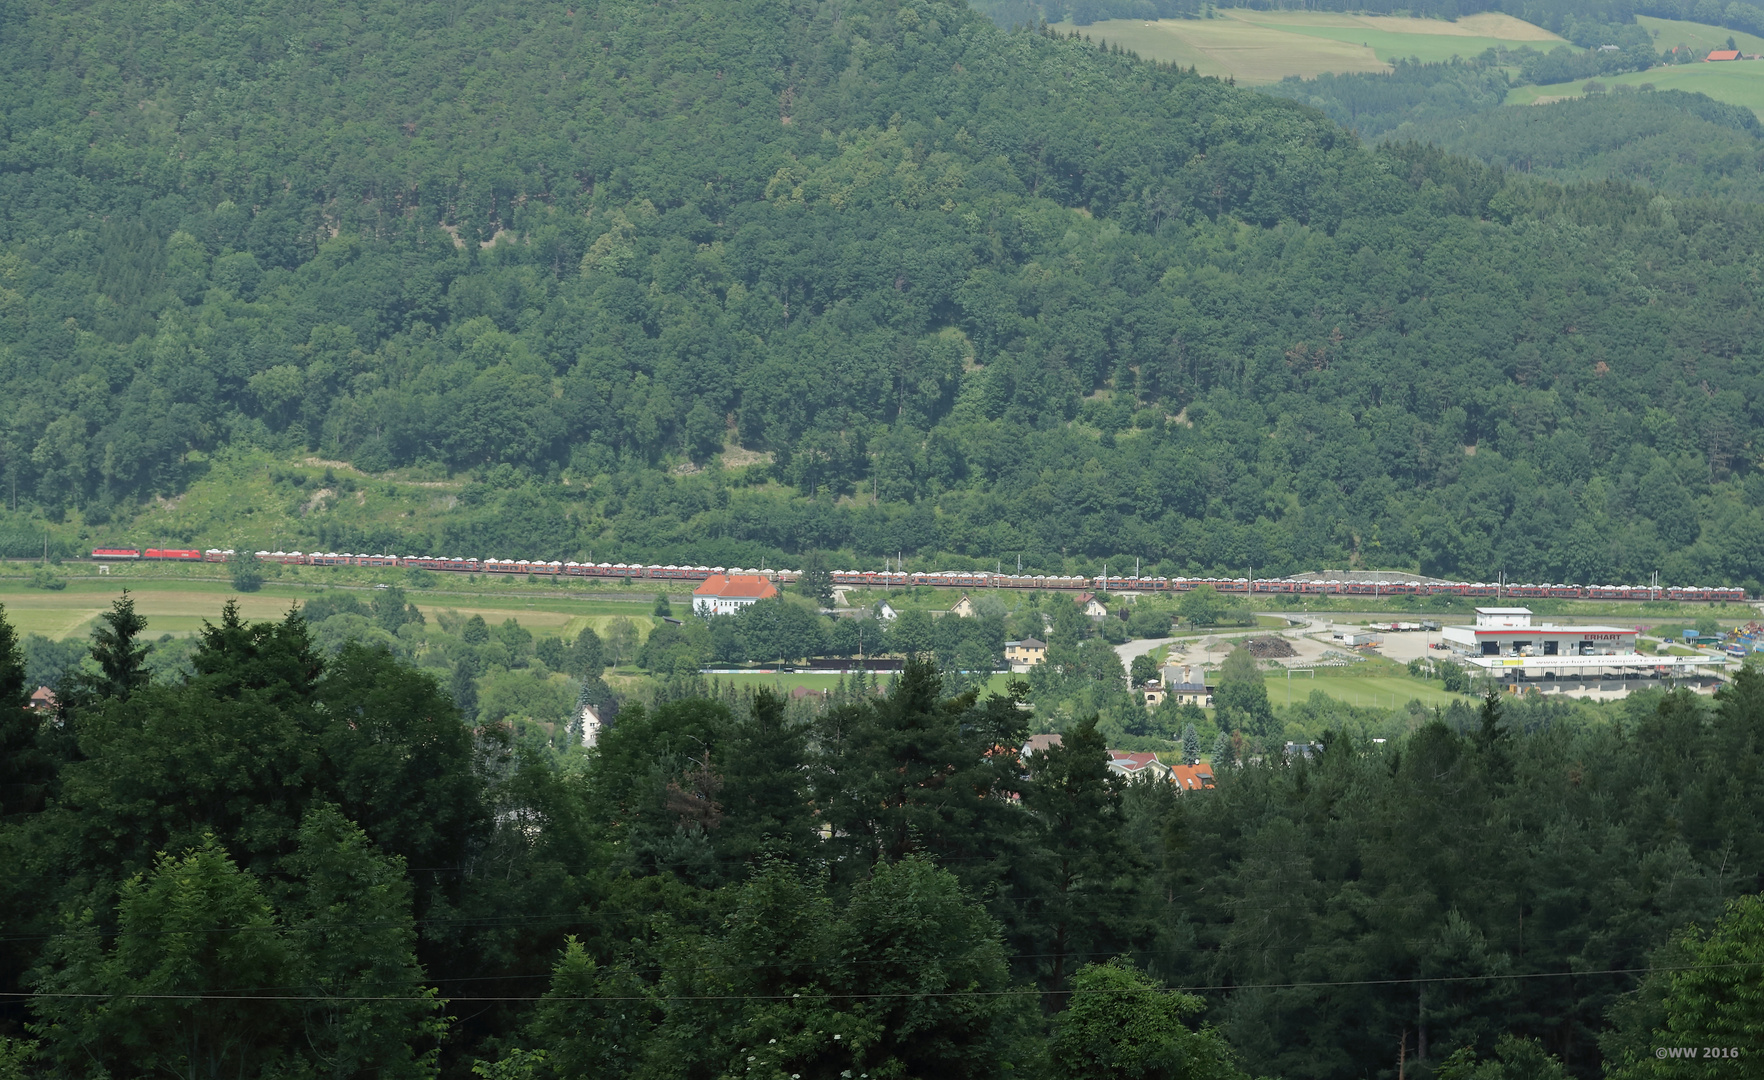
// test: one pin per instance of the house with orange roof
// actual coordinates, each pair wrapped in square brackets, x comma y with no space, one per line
[1723,54]
[1196,777]
[724,594]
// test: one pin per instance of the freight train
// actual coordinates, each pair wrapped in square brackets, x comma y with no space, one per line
[958,579]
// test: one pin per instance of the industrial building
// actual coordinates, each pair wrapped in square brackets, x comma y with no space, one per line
[1507,644]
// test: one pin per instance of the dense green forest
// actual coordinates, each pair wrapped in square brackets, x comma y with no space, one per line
[929,287]
[297,859]
[1681,145]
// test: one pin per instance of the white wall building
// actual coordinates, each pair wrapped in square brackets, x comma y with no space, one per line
[1507,644]
[723,594]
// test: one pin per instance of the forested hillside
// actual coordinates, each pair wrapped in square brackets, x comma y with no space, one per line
[1682,145]
[953,290]
[292,861]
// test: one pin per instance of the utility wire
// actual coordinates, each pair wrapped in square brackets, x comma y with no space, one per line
[1015,992]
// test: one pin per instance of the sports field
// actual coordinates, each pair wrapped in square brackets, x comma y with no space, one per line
[1384,692]
[1256,47]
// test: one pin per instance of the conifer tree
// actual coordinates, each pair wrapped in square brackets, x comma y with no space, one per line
[118,652]
[764,795]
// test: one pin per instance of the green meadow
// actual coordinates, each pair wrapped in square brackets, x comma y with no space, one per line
[1736,82]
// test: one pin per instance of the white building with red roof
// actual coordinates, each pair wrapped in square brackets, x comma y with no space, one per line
[724,594]
[1126,763]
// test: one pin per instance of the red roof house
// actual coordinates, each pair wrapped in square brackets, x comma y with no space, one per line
[1127,764]
[722,594]
[1192,777]
[1724,54]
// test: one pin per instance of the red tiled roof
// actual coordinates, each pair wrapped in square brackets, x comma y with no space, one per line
[1133,760]
[1724,54]
[1191,777]
[741,586]
[43,698]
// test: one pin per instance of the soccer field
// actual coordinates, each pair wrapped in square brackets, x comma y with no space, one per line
[1383,692]
[1257,47]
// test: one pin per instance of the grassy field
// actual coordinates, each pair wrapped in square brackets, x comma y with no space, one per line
[180,607]
[1737,83]
[1385,691]
[1701,37]
[1257,47]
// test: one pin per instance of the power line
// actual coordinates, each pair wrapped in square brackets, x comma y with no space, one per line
[855,996]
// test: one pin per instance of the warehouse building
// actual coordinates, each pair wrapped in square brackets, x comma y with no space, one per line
[1523,654]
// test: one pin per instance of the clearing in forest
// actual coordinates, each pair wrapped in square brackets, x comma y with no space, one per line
[1256,47]
[1738,82]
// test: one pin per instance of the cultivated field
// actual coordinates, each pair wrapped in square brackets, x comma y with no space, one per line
[1256,47]
[1739,82]
[179,607]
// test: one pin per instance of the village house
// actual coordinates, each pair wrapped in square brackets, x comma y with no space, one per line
[591,725]
[42,698]
[964,608]
[723,594]
[1091,606]
[1186,686]
[1192,777]
[1025,654]
[1039,744]
[1153,693]
[1723,54]
[1128,764]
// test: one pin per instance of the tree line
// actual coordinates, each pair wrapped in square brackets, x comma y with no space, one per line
[289,860]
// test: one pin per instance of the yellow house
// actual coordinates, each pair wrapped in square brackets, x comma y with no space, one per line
[1025,654]
[1186,686]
